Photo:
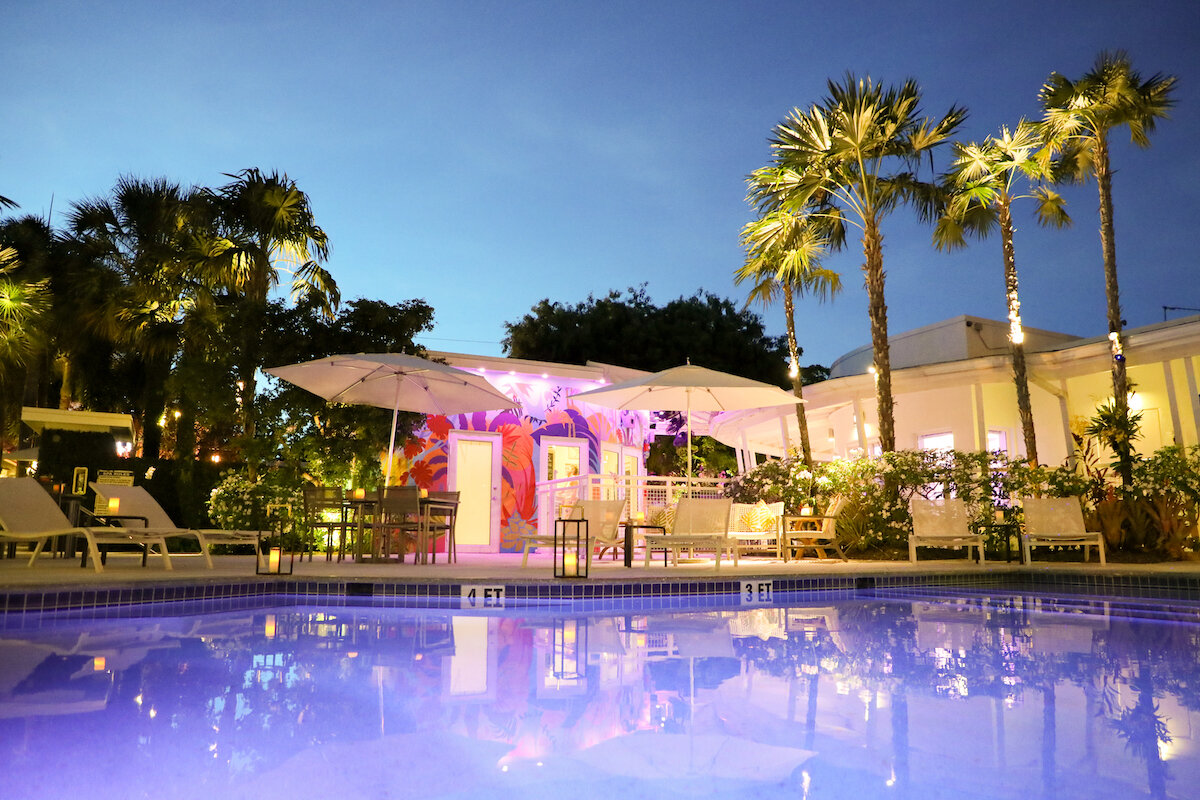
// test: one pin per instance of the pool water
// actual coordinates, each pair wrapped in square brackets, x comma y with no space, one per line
[858,696]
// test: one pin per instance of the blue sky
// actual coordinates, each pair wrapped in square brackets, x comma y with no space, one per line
[485,155]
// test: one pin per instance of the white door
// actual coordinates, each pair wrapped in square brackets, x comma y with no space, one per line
[474,471]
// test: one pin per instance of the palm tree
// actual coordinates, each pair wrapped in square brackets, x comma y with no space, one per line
[981,184]
[23,306]
[1078,117]
[783,252]
[265,227]
[850,158]
[139,233]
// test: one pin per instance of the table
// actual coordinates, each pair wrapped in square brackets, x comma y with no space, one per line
[800,538]
[630,527]
[1007,531]
[105,520]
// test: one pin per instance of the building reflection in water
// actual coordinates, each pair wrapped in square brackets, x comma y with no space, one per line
[1011,696]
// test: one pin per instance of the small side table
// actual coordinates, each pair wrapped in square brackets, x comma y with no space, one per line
[630,527]
[1006,531]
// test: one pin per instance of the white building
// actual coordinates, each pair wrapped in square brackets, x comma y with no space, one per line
[953,387]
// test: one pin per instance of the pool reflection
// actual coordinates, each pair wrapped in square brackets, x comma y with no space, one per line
[971,697]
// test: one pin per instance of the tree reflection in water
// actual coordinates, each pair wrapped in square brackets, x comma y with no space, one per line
[243,704]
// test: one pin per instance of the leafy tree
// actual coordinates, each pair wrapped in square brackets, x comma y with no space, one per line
[851,158]
[1078,117]
[336,442]
[783,252]
[630,331]
[23,305]
[982,187]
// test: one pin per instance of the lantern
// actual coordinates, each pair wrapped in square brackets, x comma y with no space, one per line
[570,548]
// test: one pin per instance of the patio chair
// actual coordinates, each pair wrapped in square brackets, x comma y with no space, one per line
[604,524]
[942,524]
[136,502]
[397,520]
[816,532]
[29,514]
[325,510]
[1057,522]
[699,524]
[439,514]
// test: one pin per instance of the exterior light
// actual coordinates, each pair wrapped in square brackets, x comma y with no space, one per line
[794,370]
[1118,351]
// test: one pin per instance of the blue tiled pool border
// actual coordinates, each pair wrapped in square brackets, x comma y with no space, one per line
[589,596]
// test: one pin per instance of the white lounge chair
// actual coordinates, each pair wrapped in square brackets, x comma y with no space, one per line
[136,501]
[29,514]
[942,524]
[1057,522]
[604,524]
[746,525]
[699,524]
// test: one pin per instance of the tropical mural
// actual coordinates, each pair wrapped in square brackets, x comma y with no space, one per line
[547,410]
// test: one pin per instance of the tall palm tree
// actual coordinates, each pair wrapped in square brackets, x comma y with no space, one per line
[982,184]
[266,228]
[783,252]
[1078,118]
[852,158]
[23,306]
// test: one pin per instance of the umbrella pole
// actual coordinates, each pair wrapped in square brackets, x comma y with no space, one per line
[689,430]
[387,481]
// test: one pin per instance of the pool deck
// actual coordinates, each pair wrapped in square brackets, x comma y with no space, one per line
[125,570]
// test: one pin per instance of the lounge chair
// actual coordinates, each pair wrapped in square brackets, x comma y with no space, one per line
[942,524]
[29,514]
[598,513]
[1057,522]
[816,532]
[604,524]
[757,526]
[137,502]
[699,524]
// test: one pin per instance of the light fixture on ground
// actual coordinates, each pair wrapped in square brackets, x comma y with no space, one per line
[571,548]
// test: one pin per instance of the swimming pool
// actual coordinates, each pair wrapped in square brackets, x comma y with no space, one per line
[979,694]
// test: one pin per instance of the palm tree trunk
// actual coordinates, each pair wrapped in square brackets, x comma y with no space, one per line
[1024,407]
[789,308]
[1112,295]
[877,310]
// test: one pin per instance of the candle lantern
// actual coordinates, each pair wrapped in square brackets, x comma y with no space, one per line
[277,558]
[570,548]
[570,648]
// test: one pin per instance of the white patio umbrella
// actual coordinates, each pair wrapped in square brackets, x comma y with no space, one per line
[396,381]
[688,388]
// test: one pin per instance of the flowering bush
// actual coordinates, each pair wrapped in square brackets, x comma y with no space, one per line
[238,503]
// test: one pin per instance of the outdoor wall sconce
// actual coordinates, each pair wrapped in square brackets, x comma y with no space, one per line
[570,548]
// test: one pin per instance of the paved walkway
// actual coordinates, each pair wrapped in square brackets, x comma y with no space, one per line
[125,569]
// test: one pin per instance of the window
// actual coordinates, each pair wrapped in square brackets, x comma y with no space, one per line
[936,441]
[997,441]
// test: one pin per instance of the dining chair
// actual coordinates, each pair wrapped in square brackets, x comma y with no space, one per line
[440,514]
[325,510]
[397,519]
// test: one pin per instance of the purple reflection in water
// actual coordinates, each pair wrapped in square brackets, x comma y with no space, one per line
[966,697]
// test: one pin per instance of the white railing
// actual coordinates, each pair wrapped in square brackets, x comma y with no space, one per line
[646,493]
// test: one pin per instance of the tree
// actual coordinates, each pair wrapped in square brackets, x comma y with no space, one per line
[337,442]
[631,331]
[139,233]
[981,185]
[265,228]
[23,305]
[850,159]
[1078,118]
[783,252]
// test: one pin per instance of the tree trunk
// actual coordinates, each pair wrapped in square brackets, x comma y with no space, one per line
[877,310]
[1112,295]
[1024,407]
[789,308]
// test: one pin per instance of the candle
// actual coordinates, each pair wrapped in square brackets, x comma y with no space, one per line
[269,628]
[639,516]
[806,511]
[360,494]
[424,493]
[570,565]
[273,561]
[98,664]
[114,505]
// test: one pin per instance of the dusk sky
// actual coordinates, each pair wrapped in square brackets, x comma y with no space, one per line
[485,155]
